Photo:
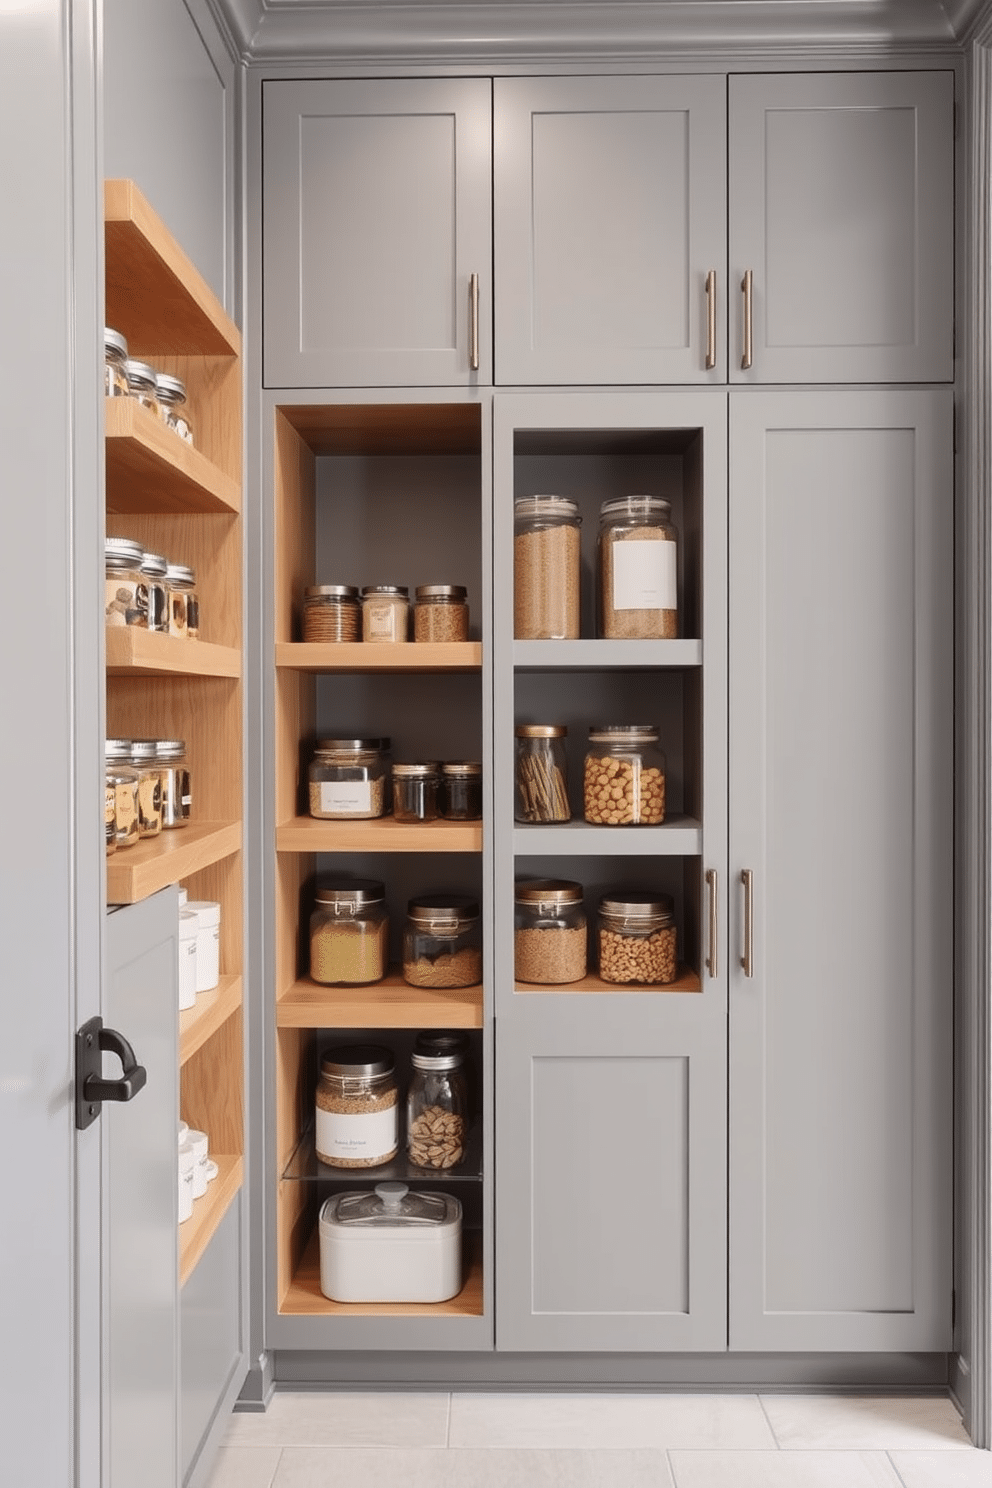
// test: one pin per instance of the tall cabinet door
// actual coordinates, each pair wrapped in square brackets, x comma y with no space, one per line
[377,237]
[841,674]
[610,217]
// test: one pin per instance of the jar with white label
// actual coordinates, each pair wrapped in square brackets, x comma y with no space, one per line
[349,779]
[177,795]
[114,363]
[124,780]
[183,601]
[172,410]
[385,612]
[126,597]
[638,569]
[357,1103]
[141,384]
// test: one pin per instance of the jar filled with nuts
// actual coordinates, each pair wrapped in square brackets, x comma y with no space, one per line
[636,937]
[624,777]
[357,1107]
[638,569]
[546,568]
[437,1101]
[349,779]
[126,601]
[442,941]
[549,939]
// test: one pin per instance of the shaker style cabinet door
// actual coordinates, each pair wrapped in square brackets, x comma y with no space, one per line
[610,214]
[841,801]
[842,227]
[377,237]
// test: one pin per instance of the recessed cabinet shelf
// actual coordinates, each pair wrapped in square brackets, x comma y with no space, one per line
[358,656]
[686,981]
[305,1167]
[391,1003]
[304,1297]
[591,656]
[305,834]
[135,872]
[208,1211]
[132,651]
[678,837]
[198,1023]
[150,469]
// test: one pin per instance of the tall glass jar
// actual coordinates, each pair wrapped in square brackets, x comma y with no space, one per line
[177,795]
[416,792]
[461,790]
[437,1103]
[549,938]
[636,937]
[171,394]
[440,613]
[124,779]
[624,776]
[331,612]
[542,781]
[153,569]
[144,759]
[385,612]
[183,602]
[357,1106]
[114,362]
[638,569]
[546,568]
[110,815]
[442,941]
[126,588]
[349,779]
[349,932]
[141,384]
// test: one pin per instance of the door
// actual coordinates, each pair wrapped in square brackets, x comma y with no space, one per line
[841,800]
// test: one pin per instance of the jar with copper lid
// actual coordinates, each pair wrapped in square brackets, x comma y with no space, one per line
[331,612]
[550,931]
[442,941]
[461,790]
[542,783]
[440,613]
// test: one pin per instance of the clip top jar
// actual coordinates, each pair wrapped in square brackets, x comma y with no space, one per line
[115,383]
[142,385]
[461,790]
[183,601]
[624,776]
[638,569]
[542,782]
[546,568]
[550,931]
[385,612]
[416,792]
[437,1103]
[440,613]
[442,941]
[126,588]
[636,937]
[349,932]
[357,1106]
[349,779]
[331,612]
[171,394]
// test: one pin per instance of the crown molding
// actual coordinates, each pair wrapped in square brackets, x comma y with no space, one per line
[971,20]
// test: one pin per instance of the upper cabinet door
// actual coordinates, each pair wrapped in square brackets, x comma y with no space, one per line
[610,216]
[378,232]
[842,227]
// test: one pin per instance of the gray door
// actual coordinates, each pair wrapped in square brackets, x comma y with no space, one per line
[841,805]
[842,209]
[377,213]
[610,213]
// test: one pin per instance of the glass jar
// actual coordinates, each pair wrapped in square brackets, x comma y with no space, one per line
[143,758]
[461,790]
[638,569]
[114,363]
[416,792]
[624,778]
[440,613]
[124,780]
[141,384]
[110,815]
[442,941]
[153,569]
[171,394]
[357,1107]
[546,567]
[637,937]
[549,936]
[349,932]
[177,796]
[183,602]
[331,612]
[542,782]
[385,612]
[437,1103]
[349,779]
[126,590]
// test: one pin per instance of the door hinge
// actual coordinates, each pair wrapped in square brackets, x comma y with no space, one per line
[92,1089]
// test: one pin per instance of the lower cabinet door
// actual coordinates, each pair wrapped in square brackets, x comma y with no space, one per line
[611,1178]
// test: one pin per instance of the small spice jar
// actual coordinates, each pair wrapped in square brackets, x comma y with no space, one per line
[437,1101]
[636,937]
[461,790]
[549,937]
[638,569]
[546,568]
[349,932]
[624,777]
[124,780]
[357,1106]
[542,782]
[114,363]
[171,394]
[153,570]
[143,758]
[442,941]
[183,602]
[331,612]
[110,815]
[349,779]
[126,588]
[416,792]
[440,613]
[141,384]
[177,795]
[385,612]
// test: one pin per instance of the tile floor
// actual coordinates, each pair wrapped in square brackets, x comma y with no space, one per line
[353,1440]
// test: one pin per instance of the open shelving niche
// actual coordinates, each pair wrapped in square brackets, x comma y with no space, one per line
[185,502]
[373,489]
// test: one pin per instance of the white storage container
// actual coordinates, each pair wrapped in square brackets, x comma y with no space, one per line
[207,912]
[390,1245]
[187,1162]
[189,926]
[200,1143]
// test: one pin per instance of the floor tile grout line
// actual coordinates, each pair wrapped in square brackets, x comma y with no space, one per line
[761,1401]
[899,1477]
[447,1425]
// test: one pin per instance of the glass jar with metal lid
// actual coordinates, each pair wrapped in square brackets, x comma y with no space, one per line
[153,569]
[183,601]
[638,569]
[142,385]
[331,612]
[124,779]
[546,568]
[177,795]
[110,814]
[385,612]
[636,937]
[416,792]
[126,601]
[171,394]
[442,941]
[349,779]
[115,383]
[624,776]
[542,781]
[357,1106]
[144,758]
[437,1102]
[461,790]
[440,613]
[550,931]
[349,932]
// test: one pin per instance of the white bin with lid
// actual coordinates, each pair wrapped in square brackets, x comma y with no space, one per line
[207,913]
[189,926]
[390,1245]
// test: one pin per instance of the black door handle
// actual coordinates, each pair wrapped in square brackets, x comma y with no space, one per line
[92,1089]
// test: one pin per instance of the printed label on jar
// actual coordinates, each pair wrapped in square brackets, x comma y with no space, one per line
[346,797]
[381,622]
[644,575]
[357,1139]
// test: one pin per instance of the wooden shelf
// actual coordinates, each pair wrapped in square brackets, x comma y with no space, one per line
[197,1231]
[134,652]
[391,1003]
[591,656]
[211,1010]
[680,836]
[150,469]
[362,656]
[304,1297]
[134,873]
[305,834]
[686,981]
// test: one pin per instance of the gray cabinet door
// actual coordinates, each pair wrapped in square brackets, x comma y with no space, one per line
[842,208]
[378,207]
[610,211]
[841,773]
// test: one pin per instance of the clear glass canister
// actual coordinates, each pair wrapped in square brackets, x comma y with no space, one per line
[437,1102]
[110,815]
[442,941]
[331,612]
[546,568]
[183,602]
[126,587]
[142,385]
[542,781]
[114,363]
[349,779]
[549,938]
[638,569]
[385,612]
[153,570]
[171,394]
[636,937]
[416,792]
[144,758]
[124,780]
[624,777]
[357,1106]
[177,795]
[461,790]
[349,932]
[440,613]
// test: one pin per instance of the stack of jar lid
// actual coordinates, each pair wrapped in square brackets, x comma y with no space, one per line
[381,612]
[636,936]
[147,789]
[349,936]
[354,779]
[159,392]
[623,777]
[146,590]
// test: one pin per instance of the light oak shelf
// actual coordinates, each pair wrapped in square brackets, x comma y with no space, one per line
[686,981]
[600,655]
[197,1231]
[305,834]
[304,1297]
[391,1003]
[150,469]
[362,656]
[134,652]
[211,1010]
[679,836]
[134,873]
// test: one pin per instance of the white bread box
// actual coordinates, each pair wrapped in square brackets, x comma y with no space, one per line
[390,1245]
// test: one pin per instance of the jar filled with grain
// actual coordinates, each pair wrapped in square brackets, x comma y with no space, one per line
[171,393]
[114,364]
[357,1107]
[624,776]
[349,932]
[349,779]
[183,601]
[440,613]
[385,612]
[546,568]
[461,790]
[331,613]
[636,937]
[416,792]
[126,599]
[549,937]
[177,794]
[143,758]
[153,571]
[124,781]
[442,941]
[542,782]
[437,1102]
[142,385]
[638,569]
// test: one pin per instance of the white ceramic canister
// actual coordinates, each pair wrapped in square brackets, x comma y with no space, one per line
[207,912]
[189,925]
[187,1163]
[390,1245]
[200,1143]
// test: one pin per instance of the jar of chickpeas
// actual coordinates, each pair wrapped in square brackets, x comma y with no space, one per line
[624,777]
[636,938]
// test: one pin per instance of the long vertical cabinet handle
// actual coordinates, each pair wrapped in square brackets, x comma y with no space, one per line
[746,286]
[747,960]
[711,959]
[711,320]
[473,300]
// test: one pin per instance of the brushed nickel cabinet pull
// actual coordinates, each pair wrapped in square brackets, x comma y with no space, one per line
[711,321]
[747,960]
[473,299]
[746,286]
[711,959]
